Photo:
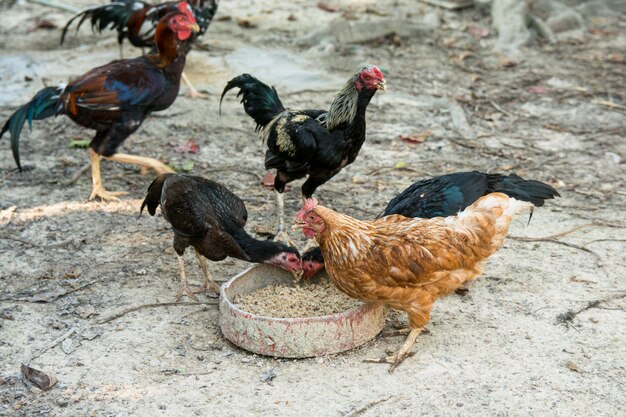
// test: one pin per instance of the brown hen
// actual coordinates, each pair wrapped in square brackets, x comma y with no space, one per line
[408,263]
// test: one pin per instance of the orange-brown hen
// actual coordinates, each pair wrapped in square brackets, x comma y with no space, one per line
[408,263]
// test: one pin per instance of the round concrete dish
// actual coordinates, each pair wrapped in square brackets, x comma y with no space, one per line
[292,337]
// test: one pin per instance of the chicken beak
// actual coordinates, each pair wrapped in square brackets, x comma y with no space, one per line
[297,275]
[298,225]
[382,86]
[195,27]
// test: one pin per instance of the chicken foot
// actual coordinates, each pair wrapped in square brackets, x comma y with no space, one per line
[209,284]
[281,234]
[191,90]
[98,189]
[404,352]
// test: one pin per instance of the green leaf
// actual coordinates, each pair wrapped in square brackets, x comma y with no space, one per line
[186,166]
[400,165]
[80,143]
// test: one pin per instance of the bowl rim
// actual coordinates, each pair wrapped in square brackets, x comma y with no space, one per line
[365,306]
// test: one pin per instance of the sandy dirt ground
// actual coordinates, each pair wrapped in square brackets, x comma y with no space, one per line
[556,114]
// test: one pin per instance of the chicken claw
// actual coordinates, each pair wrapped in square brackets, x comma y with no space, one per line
[104,195]
[405,352]
[185,290]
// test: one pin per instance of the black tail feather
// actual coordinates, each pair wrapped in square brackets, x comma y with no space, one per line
[535,192]
[153,198]
[260,101]
[46,103]
[113,15]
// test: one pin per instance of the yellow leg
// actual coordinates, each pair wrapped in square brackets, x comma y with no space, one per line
[191,91]
[97,189]
[184,287]
[209,284]
[405,350]
[156,165]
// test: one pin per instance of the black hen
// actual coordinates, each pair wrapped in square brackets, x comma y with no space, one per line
[447,195]
[208,216]
[315,144]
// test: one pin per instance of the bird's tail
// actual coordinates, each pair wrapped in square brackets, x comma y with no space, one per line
[260,101]
[153,198]
[535,192]
[46,103]
[113,16]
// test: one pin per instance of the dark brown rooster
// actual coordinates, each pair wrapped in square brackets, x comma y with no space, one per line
[315,144]
[208,216]
[114,99]
[137,21]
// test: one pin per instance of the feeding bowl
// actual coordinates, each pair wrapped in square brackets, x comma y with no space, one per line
[293,337]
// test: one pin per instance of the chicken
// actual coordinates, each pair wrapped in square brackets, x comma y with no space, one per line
[315,144]
[137,21]
[446,195]
[208,216]
[408,263]
[115,98]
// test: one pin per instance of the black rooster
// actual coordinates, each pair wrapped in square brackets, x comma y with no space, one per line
[115,98]
[447,195]
[208,216]
[308,143]
[137,22]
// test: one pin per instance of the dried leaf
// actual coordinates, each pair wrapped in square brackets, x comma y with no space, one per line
[268,180]
[189,146]
[42,24]
[478,32]
[572,366]
[82,143]
[292,18]
[41,379]
[415,138]
[617,58]
[504,62]
[461,57]
[538,89]
[327,7]
[246,23]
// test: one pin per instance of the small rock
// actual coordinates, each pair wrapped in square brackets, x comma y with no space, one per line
[91,333]
[268,376]
[85,311]
[69,346]
[565,21]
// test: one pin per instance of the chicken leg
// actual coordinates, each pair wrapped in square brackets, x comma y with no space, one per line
[191,90]
[281,234]
[154,164]
[209,284]
[184,287]
[98,189]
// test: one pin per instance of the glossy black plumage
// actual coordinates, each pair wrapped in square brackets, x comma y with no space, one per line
[137,20]
[299,144]
[206,215]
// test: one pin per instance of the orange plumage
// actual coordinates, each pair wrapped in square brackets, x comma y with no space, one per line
[409,263]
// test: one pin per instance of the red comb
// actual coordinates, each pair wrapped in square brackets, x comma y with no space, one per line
[184,7]
[309,205]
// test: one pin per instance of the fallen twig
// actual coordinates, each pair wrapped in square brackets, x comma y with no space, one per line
[363,409]
[77,175]
[569,316]
[500,109]
[153,305]
[551,237]
[604,240]
[35,245]
[51,345]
